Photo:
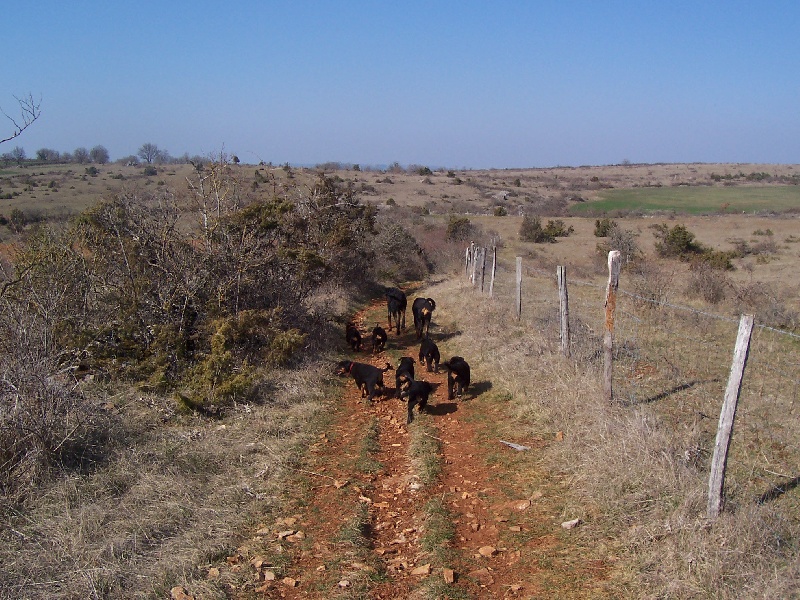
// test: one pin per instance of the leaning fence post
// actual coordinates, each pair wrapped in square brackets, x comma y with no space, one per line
[608,337]
[716,480]
[563,302]
[494,270]
[519,288]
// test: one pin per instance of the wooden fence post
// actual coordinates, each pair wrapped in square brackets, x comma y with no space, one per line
[494,270]
[470,262]
[563,302]
[482,265]
[519,288]
[476,265]
[608,336]
[716,480]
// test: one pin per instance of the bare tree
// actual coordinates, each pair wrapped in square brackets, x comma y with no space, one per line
[149,153]
[80,155]
[99,155]
[30,110]
[18,154]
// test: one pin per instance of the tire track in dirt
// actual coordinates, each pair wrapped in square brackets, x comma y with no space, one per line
[506,542]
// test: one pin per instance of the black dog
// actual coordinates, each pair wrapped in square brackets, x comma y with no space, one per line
[422,309]
[404,374]
[379,338]
[353,337]
[457,376]
[396,304]
[429,355]
[417,393]
[368,379]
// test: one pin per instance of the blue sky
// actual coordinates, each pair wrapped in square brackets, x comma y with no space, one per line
[498,84]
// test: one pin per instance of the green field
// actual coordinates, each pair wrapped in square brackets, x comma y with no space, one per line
[694,200]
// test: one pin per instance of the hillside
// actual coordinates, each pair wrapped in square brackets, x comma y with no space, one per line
[175,428]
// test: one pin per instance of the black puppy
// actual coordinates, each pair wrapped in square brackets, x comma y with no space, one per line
[429,355]
[417,393]
[368,379]
[353,337]
[404,374]
[422,309]
[379,338]
[396,303]
[457,376]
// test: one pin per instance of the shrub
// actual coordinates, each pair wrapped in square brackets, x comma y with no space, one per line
[715,259]
[531,231]
[557,228]
[651,281]
[150,171]
[623,240]
[707,282]
[500,211]
[766,304]
[18,220]
[677,242]
[398,256]
[602,227]
[459,229]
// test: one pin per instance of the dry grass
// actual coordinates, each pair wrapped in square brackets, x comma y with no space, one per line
[174,495]
[637,470]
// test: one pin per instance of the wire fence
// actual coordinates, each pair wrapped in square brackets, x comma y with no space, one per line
[674,361]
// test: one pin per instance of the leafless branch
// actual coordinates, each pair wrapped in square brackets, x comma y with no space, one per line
[29,109]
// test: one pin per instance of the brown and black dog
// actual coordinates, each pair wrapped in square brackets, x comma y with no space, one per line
[353,337]
[422,309]
[368,379]
[404,374]
[396,304]
[417,393]
[457,376]
[429,355]
[379,338]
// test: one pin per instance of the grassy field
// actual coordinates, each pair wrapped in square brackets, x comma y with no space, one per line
[694,200]
[62,190]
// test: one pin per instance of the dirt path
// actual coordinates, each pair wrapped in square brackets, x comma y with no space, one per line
[363,521]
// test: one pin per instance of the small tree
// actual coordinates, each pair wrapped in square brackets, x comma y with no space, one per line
[149,153]
[18,154]
[47,155]
[459,229]
[676,242]
[80,155]
[603,227]
[99,155]
[531,231]
[17,221]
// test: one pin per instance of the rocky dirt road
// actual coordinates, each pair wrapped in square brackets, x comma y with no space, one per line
[370,521]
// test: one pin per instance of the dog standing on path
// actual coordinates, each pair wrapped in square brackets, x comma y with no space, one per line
[368,379]
[457,376]
[417,393]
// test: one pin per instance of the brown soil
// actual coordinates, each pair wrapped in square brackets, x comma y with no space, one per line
[508,542]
